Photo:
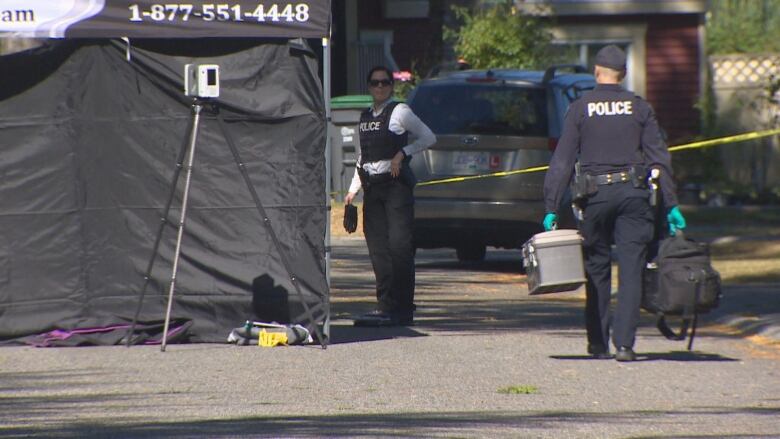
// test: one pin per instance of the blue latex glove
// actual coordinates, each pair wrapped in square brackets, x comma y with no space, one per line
[550,221]
[676,220]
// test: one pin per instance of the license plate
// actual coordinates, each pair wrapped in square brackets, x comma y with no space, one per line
[474,161]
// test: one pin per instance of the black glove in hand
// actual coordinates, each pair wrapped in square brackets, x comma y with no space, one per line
[350,218]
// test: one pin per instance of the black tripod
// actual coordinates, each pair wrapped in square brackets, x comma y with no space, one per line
[189,150]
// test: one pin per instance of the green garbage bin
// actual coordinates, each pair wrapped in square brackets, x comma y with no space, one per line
[345,139]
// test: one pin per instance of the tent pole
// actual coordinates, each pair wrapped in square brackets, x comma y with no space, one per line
[326,92]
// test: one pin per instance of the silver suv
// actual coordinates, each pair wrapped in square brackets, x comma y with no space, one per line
[488,121]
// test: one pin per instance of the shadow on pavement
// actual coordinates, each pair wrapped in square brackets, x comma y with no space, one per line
[472,315]
[751,308]
[347,333]
[385,425]
[452,296]
[491,295]
[659,356]
[504,265]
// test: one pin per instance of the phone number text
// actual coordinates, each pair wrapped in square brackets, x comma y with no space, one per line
[290,12]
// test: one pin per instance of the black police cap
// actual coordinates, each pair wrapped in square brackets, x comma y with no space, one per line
[611,57]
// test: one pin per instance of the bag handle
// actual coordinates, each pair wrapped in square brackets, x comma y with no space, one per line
[667,332]
[699,286]
[687,323]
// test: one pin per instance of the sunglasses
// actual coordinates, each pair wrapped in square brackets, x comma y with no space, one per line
[378,82]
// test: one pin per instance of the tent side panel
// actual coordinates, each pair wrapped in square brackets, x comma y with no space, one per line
[87,185]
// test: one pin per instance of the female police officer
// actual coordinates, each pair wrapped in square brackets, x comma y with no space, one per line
[615,137]
[388,203]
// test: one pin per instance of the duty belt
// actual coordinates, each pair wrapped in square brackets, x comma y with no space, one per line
[615,177]
[380,178]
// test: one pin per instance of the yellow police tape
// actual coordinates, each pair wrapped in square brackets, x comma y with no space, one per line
[729,139]
[495,174]
[694,145]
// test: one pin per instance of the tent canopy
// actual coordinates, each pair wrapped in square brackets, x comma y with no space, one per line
[153,19]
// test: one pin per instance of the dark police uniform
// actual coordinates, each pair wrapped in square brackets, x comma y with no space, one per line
[388,213]
[610,131]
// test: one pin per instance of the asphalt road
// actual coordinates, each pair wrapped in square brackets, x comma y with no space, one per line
[478,334]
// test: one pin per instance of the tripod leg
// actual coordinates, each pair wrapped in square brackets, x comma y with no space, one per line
[267,223]
[196,108]
[158,239]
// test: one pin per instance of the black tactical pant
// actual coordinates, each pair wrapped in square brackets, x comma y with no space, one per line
[388,212]
[619,214]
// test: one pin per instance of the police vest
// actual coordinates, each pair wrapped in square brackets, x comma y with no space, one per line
[377,142]
[610,130]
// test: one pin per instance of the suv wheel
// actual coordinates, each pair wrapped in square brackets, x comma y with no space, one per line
[471,253]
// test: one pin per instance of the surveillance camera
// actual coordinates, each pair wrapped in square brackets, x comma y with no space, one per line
[201,80]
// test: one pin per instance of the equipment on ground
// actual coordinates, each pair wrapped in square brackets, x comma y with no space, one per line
[198,105]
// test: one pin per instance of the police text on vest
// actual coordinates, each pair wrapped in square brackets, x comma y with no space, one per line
[609,108]
[370,126]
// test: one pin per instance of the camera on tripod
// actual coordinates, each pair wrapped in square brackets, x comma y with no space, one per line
[201,80]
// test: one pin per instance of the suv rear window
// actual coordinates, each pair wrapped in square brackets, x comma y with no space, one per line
[482,109]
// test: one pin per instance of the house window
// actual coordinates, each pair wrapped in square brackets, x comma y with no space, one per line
[584,53]
[406,8]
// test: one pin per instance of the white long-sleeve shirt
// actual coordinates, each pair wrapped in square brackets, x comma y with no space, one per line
[401,120]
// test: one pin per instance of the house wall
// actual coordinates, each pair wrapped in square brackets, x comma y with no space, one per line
[669,56]
[623,34]
[672,71]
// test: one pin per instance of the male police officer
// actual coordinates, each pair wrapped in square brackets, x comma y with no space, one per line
[616,139]
[388,205]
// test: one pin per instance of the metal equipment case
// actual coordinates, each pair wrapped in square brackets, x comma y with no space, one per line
[553,261]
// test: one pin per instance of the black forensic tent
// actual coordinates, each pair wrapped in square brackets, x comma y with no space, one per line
[91,132]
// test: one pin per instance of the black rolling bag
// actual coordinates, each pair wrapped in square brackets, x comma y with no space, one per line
[680,282]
